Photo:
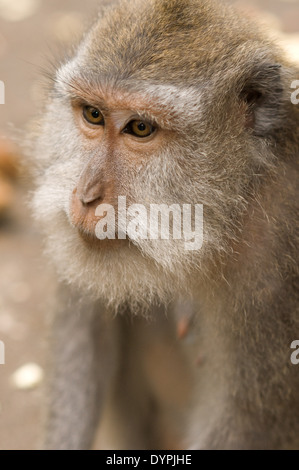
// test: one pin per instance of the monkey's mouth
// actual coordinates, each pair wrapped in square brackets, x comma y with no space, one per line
[83,219]
[90,239]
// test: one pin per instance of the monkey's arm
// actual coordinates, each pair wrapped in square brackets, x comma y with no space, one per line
[81,368]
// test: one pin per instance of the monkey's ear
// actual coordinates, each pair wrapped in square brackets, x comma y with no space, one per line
[263,94]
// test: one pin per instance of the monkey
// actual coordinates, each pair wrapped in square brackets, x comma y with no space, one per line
[174,102]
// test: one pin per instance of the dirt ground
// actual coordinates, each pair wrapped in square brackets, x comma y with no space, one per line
[32,32]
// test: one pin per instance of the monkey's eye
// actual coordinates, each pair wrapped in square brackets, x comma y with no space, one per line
[93,116]
[139,128]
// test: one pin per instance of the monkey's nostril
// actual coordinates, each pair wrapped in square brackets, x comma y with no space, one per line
[89,194]
[85,200]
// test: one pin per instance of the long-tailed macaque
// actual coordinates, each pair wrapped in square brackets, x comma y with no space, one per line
[177,105]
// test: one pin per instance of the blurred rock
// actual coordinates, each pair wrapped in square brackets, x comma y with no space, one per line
[8,174]
[28,376]
[8,158]
[6,195]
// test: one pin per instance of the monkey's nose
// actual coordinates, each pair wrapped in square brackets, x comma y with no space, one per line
[90,189]
[82,211]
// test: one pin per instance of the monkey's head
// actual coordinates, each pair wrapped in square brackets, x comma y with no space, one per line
[165,102]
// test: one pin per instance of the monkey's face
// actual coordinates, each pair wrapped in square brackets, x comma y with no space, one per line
[124,129]
[113,148]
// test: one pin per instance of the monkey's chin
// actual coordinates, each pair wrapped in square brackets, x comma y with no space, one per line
[127,273]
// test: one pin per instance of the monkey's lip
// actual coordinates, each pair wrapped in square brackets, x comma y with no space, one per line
[92,240]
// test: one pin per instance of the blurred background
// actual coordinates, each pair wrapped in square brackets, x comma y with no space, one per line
[32,34]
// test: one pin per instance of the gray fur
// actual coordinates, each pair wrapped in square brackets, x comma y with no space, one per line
[222,90]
